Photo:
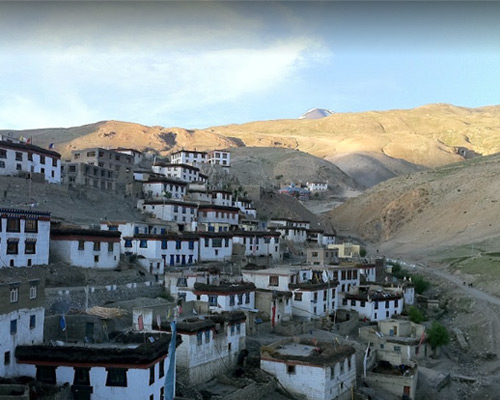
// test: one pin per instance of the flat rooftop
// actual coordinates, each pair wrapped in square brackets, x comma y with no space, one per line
[296,349]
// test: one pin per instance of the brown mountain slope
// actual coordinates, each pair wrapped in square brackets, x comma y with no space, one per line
[112,134]
[274,166]
[429,211]
[424,135]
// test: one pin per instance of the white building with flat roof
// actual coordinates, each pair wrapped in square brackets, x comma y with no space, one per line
[88,248]
[24,237]
[316,370]
[16,157]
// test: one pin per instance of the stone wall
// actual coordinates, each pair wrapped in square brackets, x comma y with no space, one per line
[61,300]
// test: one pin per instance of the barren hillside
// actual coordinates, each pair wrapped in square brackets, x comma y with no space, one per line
[270,167]
[369,146]
[429,211]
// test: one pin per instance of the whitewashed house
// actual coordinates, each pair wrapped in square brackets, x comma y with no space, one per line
[222,198]
[159,251]
[89,248]
[181,212]
[215,218]
[181,284]
[191,157]
[164,188]
[317,186]
[219,157]
[327,239]
[397,341]
[259,243]
[286,222]
[24,237]
[312,298]
[16,157]
[215,246]
[226,296]
[316,370]
[315,236]
[22,314]
[373,303]
[199,195]
[131,366]
[210,346]
[182,172]
[246,207]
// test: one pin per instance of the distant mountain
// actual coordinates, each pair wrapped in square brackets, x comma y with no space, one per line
[369,146]
[316,113]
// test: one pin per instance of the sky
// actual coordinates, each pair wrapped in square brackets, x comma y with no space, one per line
[200,64]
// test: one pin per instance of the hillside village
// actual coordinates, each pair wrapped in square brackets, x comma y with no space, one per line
[273,307]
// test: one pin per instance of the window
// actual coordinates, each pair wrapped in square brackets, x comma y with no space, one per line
[116,377]
[231,300]
[97,246]
[353,303]
[342,367]
[162,393]
[2,164]
[143,244]
[14,294]
[206,242]
[19,156]
[76,156]
[274,280]
[33,291]
[110,247]
[290,369]
[217,242]
[32,321]
[233,329]
[238,329]
[12,247]
[298,296]
[247,298]
[386,304]
[42,159]
[19,167]
[178,244]
[349,361]
[29,247]
[207,336]
[164,243]
[191,245]
[212,300]
[199,338]
[332,372]
[13,225]
[128,243]
[31,225]
[82,376]
[6,358]
[13,326]
[161,366]
[96,258]
[376,305]
[3,154]
[46,374]
[151,374]
[240,298]
[397,349]
[91,154]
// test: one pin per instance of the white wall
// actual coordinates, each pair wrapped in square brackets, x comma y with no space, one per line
[137,383]
[41,256]
[67,251]
[314,382]
[24,336]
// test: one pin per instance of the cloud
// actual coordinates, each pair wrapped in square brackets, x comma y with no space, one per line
[80,83]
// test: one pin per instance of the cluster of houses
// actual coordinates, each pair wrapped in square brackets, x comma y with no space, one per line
[191,232]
